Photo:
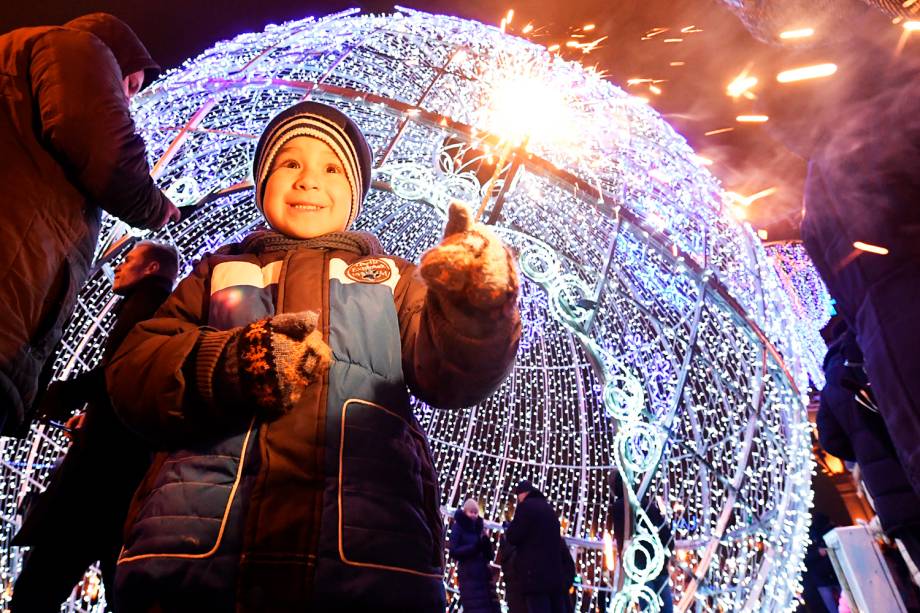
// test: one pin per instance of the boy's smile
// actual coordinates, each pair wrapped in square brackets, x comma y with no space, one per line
[307,193]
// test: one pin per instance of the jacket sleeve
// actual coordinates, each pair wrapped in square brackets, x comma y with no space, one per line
[520,527]
[832,436]
[85,123]
[452,357]
[152,376]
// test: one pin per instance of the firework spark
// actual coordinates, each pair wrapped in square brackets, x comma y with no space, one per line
[741,84]
[748,200]
[870,248]
[806,72]
[752,118]
[795,34]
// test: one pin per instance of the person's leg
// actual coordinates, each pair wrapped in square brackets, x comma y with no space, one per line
[560,602]
[47,578]
[515,601]
[538,603]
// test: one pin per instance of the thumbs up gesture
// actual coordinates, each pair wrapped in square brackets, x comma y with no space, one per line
[471,267]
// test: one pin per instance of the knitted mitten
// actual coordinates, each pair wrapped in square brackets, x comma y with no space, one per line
[278,357]
[471,268]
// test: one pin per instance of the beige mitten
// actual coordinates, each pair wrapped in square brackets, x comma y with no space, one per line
[471,267]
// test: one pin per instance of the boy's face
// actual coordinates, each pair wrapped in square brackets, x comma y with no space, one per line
[307,193]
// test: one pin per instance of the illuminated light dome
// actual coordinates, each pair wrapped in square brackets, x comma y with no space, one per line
[657,333]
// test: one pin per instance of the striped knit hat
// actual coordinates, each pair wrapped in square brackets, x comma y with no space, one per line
[327,124]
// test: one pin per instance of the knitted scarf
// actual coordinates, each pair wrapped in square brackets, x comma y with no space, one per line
[263,241]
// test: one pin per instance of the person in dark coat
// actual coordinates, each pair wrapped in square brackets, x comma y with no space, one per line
[622,528]
[860,132]
[850,427]
[67,529]
[541,574]
[471,548]
[69,151]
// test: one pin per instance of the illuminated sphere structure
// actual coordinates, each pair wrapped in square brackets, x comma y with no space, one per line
[657,334]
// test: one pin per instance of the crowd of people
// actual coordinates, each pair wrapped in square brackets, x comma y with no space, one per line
[254,436]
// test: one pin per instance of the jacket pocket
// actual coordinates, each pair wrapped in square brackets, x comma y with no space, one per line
[383,517]
[188,509]
[56,309]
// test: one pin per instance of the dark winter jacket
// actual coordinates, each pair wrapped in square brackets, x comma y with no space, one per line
[473,551]
[535,534]
[68,151]
[853,432]
[104,452]
[334,503]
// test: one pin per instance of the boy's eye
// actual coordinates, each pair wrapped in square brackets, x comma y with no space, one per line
[289,163]
[333,168]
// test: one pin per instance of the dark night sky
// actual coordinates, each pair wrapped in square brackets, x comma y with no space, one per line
[693,96]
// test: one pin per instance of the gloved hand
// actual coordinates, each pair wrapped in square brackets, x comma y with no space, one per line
[471,267]
[278,357]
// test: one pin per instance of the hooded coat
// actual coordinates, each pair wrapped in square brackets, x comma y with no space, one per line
[854,432]
[69,151]
[331,506]
[473,551]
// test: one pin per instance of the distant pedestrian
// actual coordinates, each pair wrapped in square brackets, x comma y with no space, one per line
[541,573]
[471,548]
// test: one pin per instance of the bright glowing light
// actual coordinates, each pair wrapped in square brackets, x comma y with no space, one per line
[673,40]
[705,161]
[748,200]
[741,84]
[609,558]
[817,71]
[870,248]
[752,118]
[678,63]
[911,26]
[527,29]
[799,33]
[719,131]
[655,89]
[587,27]
[526,107]
[762,234]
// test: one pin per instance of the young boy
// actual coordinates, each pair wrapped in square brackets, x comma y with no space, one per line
[296,477]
